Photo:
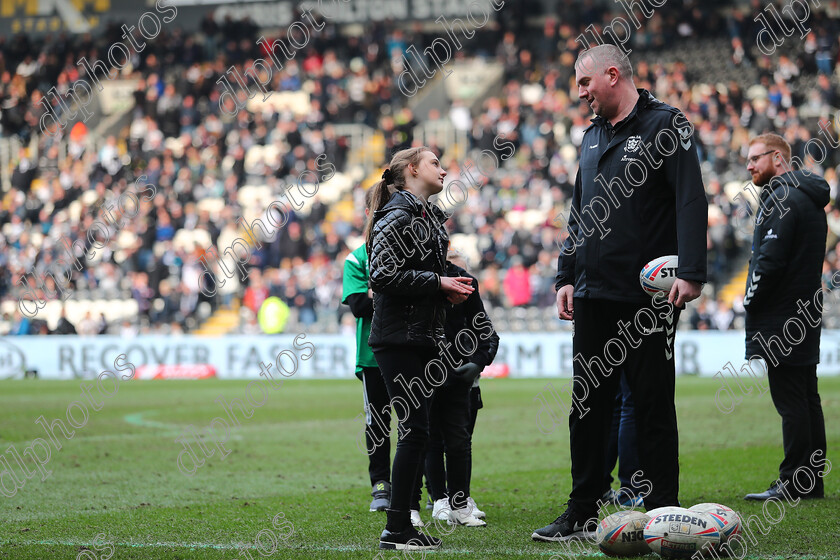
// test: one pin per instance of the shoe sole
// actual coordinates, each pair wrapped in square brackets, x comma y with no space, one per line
[579,535]
[406,546]
[450,522]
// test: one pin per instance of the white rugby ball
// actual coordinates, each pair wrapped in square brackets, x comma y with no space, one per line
[727,519]
[679,532]
[667,509]
[659,274]
[623,534]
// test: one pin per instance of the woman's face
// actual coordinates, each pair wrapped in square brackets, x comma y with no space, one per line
[430,172]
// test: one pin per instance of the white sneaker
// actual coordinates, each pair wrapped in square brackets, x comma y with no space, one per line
[465,517]
[415,519]
[477,513]
[441,509]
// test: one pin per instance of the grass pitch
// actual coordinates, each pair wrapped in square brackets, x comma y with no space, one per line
[115,488]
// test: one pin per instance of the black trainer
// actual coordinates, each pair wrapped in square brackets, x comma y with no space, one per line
[381,496]
[407,539]
[778,489]
[568,526]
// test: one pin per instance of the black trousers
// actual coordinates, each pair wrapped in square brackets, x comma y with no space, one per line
[403,370]
[377,425]
[475,405]
[449,433]
[794,393]
[608,337]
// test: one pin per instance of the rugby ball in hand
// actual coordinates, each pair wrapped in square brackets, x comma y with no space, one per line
[727,519]
[623,534]
[677,532]
[659,275]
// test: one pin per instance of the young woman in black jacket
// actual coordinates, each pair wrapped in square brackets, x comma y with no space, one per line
[407,244]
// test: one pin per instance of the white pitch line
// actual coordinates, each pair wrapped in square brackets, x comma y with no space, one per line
[358,548]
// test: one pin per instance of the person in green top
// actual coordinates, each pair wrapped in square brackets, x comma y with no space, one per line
[358,296]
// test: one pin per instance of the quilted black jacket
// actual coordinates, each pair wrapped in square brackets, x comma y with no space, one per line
[407,251]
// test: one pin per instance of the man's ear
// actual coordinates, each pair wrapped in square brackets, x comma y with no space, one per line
[613,75]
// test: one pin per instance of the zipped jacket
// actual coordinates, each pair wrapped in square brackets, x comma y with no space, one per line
[638,196]
[407,250]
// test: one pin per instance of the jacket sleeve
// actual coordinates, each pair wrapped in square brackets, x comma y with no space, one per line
[389,252]
[773,245]
[682,170]
[360,305]
[479,323]
[566,260]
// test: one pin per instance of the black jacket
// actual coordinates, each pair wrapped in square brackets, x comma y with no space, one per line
[784,284]
[407,258]
[469,316]
[634,200]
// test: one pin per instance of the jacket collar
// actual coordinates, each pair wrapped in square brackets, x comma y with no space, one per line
[645,99]
[402,199]
[411,202]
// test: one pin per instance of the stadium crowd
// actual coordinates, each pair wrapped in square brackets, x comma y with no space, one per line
[181,141]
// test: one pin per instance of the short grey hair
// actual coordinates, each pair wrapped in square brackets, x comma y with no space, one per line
[605,56]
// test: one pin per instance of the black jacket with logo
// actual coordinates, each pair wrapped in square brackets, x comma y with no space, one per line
[407,258]
[638,196]
[784,285]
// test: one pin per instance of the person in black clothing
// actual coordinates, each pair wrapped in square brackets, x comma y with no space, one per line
[472,343]
[64,325]
[783,302]
[638,196]
[407,244]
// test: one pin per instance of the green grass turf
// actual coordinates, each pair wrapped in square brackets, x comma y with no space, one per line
[298,455]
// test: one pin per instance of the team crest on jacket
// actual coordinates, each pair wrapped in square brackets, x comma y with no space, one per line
[633,143]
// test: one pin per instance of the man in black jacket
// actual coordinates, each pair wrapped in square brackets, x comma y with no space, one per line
[783,302]
[638,195]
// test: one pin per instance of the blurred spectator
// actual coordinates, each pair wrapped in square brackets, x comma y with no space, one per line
[256,292]
[21,325]
[517,284]
[88,325]
[64,326]
[723,315]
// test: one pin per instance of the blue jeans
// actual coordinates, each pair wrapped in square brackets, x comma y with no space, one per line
[622,446]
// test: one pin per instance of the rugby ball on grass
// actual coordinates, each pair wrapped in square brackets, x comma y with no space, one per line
[676,532]
[659,275]
[623,534]
[727,519]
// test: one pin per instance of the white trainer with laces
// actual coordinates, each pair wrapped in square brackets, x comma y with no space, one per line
[415,519]
[477,513]
[465,517]
[441,509]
